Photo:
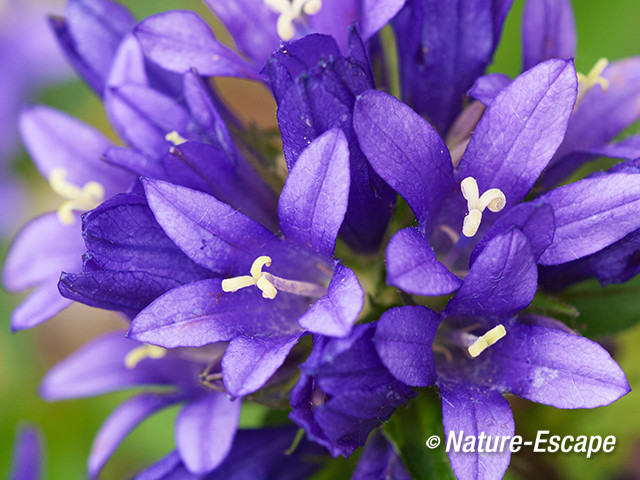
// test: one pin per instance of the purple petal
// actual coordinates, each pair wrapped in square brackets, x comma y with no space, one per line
[335,313]
[128,67]
[314,199]
[120,423]
[250,361]
[27,456]
[468,410]
[554,367]
[487,87]
[403,340]
[501,281]
[135,162]
[43,303]
[592,214]
[200,313]
[404,150]
[255,34]
[548,31]
[98,367]
[180,40]
[375,15]
[57,140]
[412,266]
[205,429]
[628,149]
[507,150]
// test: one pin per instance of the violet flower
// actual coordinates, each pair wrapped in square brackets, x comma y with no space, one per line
[484,348]
[345,391]
[206,424]
[256,310]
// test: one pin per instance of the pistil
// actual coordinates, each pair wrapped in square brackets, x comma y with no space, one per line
[493,199]
[591,79]
[289,12]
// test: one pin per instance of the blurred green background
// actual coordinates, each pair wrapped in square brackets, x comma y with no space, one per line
[604,30]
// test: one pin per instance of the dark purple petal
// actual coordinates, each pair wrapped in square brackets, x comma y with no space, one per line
[507,150]
[314,199]
[200,313]
[379,461]
[120,423]
[255,34]
[336,312]
[551,366]
[599,118]
[90,35]
[405,151]
[548,31]
[99,367]
[591,214]
[413,267]
[403,340]
[180,40]
[234,181]
[205,429]
[501,281]
[251,360]
[486,88]
[468,410]
[27,455]
[57,140]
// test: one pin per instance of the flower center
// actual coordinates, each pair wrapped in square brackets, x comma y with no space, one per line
[290,11]
[591,79]
[493,199]
[175,138]
[80,199]
[270,284]
[135,356]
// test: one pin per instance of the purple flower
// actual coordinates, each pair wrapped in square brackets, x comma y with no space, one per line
[442,50]
[379,461]
[255,454]
[206,424]
[255,310]
[484,348]
[316,89]
[180,40]
[27,455]
[481,195]
[345,391]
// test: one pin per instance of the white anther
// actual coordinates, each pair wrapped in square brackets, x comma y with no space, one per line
[486,340]
[79,199]
[493,199]
[175,138]
[257,277]
[291,11]
[135,356]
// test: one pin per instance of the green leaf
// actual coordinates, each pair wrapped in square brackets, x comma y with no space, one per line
[408,431]
[605,310]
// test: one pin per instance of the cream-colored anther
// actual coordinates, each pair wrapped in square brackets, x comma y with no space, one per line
[289,12]
[79,199]
[135,356]
[175,138]
[493,199]
[486,340]
[257,277]
[591,79]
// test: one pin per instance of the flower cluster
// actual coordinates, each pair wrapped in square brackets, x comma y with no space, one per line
[247,273]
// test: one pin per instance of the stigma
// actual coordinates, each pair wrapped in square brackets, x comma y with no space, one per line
[591,79]
[135,356]
[486,340]
[289,11]
[493,199]
[79,199]
[269,284]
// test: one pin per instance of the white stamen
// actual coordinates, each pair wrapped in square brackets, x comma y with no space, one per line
[291,11]
[175,138]
[135,356]
[486,340]
[591,79]
[493,199]
[79,199]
